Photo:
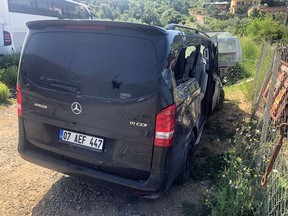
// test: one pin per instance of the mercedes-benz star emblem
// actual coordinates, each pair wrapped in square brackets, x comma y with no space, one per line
[76,108]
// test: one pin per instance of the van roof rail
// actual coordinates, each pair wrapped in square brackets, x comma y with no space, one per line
[173,26]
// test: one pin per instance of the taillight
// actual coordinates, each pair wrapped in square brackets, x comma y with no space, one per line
[19,100]
[165,124]
[7,38]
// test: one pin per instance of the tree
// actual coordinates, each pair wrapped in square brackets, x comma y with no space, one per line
[179,6]
[171,16]
[151,17]
[266,28]
[105,11]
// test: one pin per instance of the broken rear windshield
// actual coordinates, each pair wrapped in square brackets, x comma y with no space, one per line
[100,65]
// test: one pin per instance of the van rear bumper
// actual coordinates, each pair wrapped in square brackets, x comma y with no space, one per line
[151,188]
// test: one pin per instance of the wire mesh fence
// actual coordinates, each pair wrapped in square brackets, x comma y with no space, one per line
[270,108]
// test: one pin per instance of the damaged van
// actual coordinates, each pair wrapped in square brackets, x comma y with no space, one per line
[123,104]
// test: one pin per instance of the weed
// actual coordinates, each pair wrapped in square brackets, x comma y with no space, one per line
[238,186]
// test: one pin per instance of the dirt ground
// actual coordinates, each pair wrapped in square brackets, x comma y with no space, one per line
[27,189]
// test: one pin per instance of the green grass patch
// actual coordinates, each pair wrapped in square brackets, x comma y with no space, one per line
[246,86]
[250,53]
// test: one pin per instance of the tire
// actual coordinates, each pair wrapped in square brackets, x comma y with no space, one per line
[186,172]
[219,105]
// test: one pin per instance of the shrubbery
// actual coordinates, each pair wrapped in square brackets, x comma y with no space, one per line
[9,75]
[4,92]
[9,60]
[267,28]
[8,69]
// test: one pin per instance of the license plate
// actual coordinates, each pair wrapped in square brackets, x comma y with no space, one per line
[81,139]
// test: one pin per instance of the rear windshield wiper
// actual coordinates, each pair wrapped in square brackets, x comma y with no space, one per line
[60,86]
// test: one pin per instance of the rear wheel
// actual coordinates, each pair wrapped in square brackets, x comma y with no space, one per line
[186,172]
[220,102]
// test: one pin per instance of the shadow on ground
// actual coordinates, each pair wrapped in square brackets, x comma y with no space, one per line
[72,196]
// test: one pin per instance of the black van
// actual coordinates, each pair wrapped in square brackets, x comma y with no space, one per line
[121,103]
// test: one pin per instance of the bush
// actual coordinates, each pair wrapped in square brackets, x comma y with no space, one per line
[9,75]
[4,92]
[9,60]
[8,69]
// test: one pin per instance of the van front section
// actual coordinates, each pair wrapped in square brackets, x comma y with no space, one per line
[88,99]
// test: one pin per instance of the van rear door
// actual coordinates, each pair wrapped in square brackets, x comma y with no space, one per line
[99,87]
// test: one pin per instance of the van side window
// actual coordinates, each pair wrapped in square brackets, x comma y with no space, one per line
[190,58]
[179,66]
[201,71]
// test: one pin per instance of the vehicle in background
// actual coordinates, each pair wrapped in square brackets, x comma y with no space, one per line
[14,14]
[121,103]
[230,52]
